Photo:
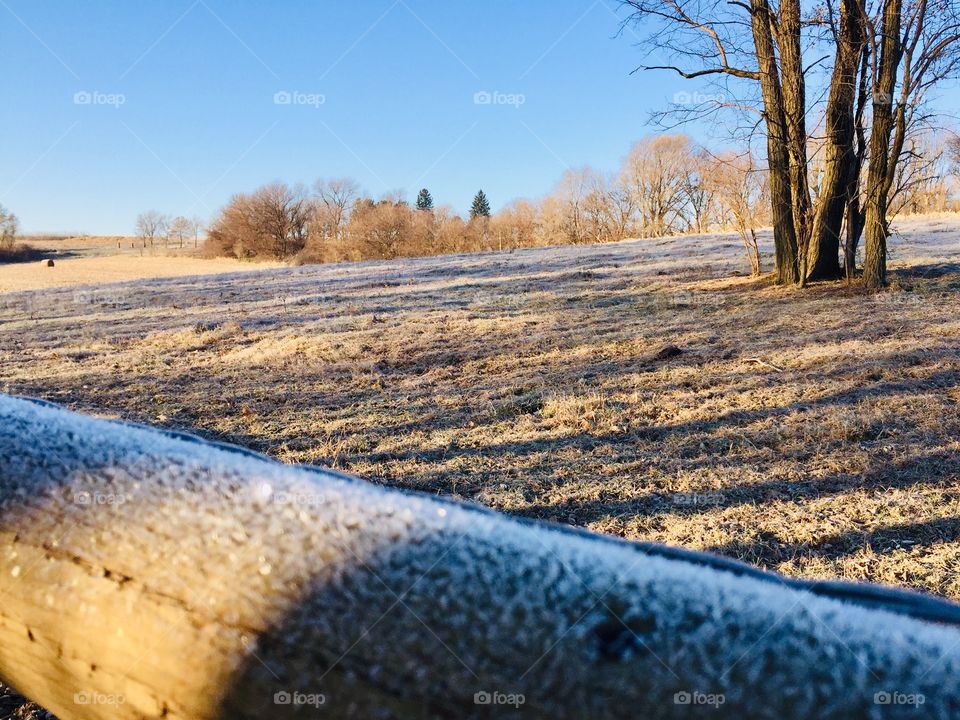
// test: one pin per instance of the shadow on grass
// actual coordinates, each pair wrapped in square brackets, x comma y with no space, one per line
[930,470]
[23,254]
[770,552]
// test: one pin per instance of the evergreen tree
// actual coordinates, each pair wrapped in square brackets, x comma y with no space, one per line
[424,200]
[480,207]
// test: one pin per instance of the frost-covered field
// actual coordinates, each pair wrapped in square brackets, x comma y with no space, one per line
[814,432]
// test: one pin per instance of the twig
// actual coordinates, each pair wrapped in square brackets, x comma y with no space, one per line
[758,361]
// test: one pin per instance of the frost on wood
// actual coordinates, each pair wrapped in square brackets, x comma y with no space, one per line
[147,575]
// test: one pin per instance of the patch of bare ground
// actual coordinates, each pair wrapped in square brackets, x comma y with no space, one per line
[642,389]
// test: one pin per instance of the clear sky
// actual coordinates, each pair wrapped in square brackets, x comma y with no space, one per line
[112,107]
[386,96]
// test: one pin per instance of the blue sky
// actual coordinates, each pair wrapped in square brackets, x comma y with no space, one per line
[198,120]
[112,107]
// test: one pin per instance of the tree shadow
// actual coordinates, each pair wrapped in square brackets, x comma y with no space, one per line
[936,469]
[770,551]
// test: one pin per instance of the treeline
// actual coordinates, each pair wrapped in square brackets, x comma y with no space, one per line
[667,184]
[334,221]
[155,227]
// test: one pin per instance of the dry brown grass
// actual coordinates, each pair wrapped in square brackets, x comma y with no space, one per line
[100,260]
[814,432]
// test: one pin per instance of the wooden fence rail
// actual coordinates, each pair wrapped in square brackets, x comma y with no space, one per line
[145,574]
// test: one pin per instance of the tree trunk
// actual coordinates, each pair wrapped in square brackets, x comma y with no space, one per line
[795,113]
[855,212]
[749,237]
[778,158]
[840,165]
[854,229]
[147,574]
[876,228]
[899,123]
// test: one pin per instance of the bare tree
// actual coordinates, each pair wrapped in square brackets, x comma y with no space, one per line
[197,226]
[884,61]
[841,161]
[735,41]
[854,217]
[698,193]
[786,234]
[570,205]
[337,198]
[916,46]
[272,221]
[151,225]
[381,228]
[741,186]
[518,225]
[8,228]
[180,227]
[448,230]
[953,153]
[620,207]
[603,207]
[656,172]
[923,176]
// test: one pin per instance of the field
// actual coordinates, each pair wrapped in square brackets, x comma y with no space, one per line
[648,389]
[82,260]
